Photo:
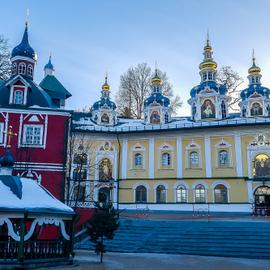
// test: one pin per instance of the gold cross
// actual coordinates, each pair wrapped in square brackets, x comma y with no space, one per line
[9,136]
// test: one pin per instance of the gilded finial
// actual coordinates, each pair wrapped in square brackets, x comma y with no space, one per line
[254,69]
[106,86]
[207,38]
[9,134]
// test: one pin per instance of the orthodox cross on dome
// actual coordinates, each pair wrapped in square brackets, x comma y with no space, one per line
[10,134]
[27,16]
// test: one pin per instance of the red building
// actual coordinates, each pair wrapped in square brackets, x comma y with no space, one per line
[37,116]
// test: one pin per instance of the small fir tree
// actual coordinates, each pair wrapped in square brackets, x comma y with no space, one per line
[102,225]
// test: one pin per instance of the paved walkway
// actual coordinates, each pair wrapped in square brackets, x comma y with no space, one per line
[86,260]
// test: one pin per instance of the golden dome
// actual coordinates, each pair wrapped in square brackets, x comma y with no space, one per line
[254,70]
[106,86]
[208,64]
[156,79]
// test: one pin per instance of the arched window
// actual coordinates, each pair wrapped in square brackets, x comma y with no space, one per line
[262,196]
[166,159]
[166,118]
[18,97]
[138,160]
[22,68]
[223,109]
[181,194]
[221,194]
[105,170]
[223,158]
[161,194]
[141,194]
[210,76]
[256,109]
[204,76]
[14,68]
[200,194]
[193,110]
[193,159]
[261,166]
[30,70]
[79,174]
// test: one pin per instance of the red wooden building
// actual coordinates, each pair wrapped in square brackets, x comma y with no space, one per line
[37,116]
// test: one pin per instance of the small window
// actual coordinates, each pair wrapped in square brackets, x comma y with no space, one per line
[223,158]
[161,194]
[221,194]
[181,194]
[22,68]
[79,174]
[18,97]
[210,76]
[193,159]
[14,68]
[30,70]
[223,109]
[138,160]
[32,135]
[166,159]
[166,118]
[200,194]
[204,76]
[141,194]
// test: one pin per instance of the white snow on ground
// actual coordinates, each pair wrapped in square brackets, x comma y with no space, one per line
[33,196]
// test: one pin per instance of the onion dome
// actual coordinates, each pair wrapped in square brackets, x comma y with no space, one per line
[7,159]
[219,88]
[49,65]
[106,86]
[24,49]
[157,98]
[208,62]
[156,79]
[254,69]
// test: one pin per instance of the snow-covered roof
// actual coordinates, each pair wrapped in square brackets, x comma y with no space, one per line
[83,122]
[20,194]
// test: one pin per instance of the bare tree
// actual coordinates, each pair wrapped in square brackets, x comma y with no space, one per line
[226,75]
[5,64]
[135,88]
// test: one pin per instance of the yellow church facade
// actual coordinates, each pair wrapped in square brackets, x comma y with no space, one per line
[210,161]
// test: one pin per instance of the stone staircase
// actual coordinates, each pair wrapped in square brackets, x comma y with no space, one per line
[248,239]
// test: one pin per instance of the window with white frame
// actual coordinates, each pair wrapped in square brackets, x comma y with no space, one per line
[30,70]
[166,159]
[223,158]
[200,194]
[1,132]
[194,159]
[138,160]
[14,68]
[181,194]
[18,97]
[161,194]
[33,134]
[22,68]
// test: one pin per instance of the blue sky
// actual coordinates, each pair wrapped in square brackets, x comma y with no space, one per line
[88,38]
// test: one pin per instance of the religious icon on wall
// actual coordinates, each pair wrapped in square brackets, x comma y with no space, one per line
[105,170]
[261,166]
[105,118]
[155,118]
[208,109]
[256,109]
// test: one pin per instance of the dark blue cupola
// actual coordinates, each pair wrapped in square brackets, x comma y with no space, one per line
[49,68]
[23,57]
[24,49]
[255,98]
[157,106]
[103,110]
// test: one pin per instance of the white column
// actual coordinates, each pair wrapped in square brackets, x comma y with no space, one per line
[179,161]
[250,191]
[151,158]
[124,158]
[208,160]
[238,155]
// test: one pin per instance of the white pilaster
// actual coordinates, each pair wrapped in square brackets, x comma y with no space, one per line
[124,158]
[250,192]
[238,155]
[208,160]
[179,161]
[151,158]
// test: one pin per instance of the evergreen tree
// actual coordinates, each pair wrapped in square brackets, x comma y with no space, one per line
[102,225]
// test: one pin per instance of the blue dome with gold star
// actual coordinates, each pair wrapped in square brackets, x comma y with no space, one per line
[104,102]
[24,49]
[157,98]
